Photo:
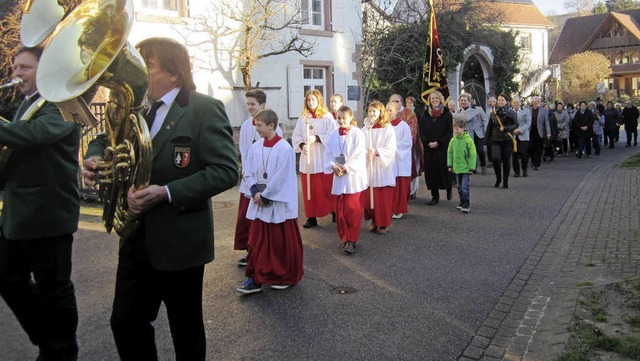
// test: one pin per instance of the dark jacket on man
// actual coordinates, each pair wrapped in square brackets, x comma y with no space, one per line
[630,116]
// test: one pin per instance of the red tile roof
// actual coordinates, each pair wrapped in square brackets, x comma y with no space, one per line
[521,14]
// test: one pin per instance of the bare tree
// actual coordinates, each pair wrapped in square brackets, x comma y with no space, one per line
[248,31]
[582,7]
[10,15]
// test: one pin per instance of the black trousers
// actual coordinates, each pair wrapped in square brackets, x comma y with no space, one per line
[536,146]
[521,158]
[632,133]
[584,144]
[501,151]
[45,305]
[140,289]
[609,137]
[573,141]
[479,143]
[549,150]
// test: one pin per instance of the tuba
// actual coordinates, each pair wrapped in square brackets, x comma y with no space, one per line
[39,20]
[89,48]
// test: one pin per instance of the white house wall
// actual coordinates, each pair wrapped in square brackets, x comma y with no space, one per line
[272,73]
[539,54]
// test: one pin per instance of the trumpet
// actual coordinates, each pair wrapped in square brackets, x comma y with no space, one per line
[14,82]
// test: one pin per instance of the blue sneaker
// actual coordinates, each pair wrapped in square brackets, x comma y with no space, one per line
[249,287]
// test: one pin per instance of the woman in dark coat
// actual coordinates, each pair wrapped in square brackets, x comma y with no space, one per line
[436,130]
[611,120]
[499,139]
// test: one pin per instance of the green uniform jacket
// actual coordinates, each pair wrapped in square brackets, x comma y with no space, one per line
[461,154]
[41,177]
[195,132]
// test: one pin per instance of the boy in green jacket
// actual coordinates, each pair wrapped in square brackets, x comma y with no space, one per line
[461,160]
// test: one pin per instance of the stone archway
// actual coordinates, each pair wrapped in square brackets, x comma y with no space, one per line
[474,75]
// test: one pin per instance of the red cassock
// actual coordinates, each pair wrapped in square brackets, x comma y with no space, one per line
[242,225]
[275,252]
[322,202]
[383,200]
[401,193]
[349,216]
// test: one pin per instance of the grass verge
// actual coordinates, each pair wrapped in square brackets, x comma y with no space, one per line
[631,162]
[606,324]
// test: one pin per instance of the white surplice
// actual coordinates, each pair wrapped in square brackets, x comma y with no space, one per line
[383,141]
[320,127]
[353,147]
[279,164]
[248,136]
[404,142]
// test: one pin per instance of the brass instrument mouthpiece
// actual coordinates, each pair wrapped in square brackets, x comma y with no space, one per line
[12,83]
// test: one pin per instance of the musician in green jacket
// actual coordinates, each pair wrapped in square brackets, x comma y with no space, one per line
[39,216]
[194,159]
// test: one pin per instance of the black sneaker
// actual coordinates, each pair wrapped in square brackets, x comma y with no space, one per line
[349,247]
[249,287]
[310,223]
[243,261]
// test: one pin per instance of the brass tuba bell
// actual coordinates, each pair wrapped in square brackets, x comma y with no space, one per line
[39,20]
[89,48]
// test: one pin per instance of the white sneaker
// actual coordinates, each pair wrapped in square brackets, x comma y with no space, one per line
[466,209]
[397,216]
[280,287]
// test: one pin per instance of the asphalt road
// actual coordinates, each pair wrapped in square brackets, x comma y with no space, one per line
[417,293]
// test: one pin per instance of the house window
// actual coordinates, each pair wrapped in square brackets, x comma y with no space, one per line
[312,12]
[315,78]
[164,7]
[635,86]
[524,40]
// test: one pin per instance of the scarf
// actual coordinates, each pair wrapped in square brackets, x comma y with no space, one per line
[437,112]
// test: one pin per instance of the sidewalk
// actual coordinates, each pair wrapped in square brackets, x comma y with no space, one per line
[594,238]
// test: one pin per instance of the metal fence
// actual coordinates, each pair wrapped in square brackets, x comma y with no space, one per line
[88,134]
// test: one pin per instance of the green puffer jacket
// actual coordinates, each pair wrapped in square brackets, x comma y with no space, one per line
[461,154]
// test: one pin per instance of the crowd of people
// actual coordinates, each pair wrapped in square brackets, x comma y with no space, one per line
[372,172]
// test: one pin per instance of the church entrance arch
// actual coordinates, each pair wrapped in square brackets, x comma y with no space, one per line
[476,74]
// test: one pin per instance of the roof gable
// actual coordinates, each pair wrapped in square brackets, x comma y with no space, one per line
[575,33]
[628,22]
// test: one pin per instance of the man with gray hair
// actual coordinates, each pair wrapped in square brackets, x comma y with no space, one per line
[492,106]
[540,130]
[474,120]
